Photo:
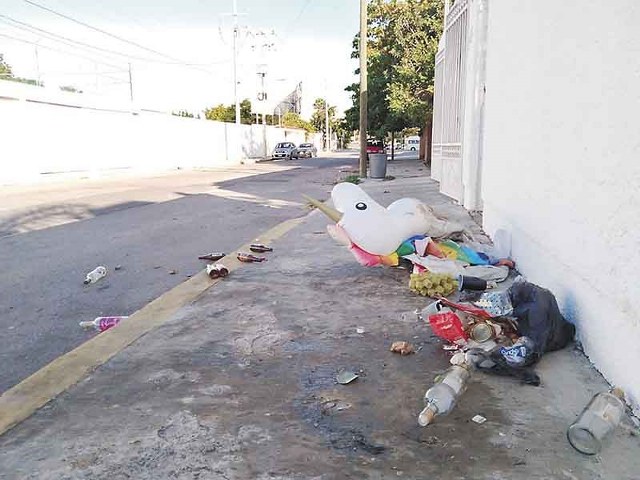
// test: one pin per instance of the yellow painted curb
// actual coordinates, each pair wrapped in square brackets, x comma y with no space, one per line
[22,400]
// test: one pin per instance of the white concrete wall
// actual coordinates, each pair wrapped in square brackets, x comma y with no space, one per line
[562,163]
[91,134]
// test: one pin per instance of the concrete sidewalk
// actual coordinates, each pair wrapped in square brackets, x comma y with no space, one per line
[240,384]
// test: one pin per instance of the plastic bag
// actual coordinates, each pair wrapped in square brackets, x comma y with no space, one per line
[438,265]
[447,325]
[539,319]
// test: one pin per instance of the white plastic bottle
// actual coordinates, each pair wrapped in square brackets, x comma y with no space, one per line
[442,397]
[96,274]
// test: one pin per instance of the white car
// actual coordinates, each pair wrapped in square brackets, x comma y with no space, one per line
[283,150]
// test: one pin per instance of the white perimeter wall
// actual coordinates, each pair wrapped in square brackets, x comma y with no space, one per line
[562,163]
[89,134]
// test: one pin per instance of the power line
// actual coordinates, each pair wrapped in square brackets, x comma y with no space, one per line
[117,37]
[70,42]
[92,60]
[304,7]
[66,40]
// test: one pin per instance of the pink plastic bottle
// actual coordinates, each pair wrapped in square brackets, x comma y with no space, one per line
[103,323]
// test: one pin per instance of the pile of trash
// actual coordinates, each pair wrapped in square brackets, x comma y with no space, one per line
[501,331]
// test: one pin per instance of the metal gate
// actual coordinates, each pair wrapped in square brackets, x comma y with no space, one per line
[448,106]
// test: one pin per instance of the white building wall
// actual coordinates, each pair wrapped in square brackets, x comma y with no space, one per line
[561,164]
[75,132]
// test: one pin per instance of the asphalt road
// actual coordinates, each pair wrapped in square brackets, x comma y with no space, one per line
[52,234]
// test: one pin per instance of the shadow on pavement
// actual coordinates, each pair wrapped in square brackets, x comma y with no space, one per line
[53,215]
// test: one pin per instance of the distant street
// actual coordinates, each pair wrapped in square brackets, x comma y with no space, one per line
[53,233]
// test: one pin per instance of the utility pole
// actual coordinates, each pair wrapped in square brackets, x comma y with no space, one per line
[37,64]
[327,145]
[363,88]
[329,130]
[130,84]
[235,60]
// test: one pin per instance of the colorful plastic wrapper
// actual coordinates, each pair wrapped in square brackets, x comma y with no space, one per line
[497,304]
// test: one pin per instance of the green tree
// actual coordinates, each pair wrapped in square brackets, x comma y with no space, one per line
[318,117]
[227,113]
[7,74]
[343,131]
[293,120]
[5,68]
[403,40]
[220,113]
[245,112]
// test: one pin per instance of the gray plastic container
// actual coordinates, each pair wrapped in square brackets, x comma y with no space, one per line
[377,165]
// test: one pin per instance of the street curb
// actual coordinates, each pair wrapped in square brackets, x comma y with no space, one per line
[21,401]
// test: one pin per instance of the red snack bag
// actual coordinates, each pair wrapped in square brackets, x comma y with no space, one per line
[448,325]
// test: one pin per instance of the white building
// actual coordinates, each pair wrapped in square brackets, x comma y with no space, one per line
[536,123]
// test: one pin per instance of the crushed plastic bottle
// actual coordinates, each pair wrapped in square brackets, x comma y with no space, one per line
[597,422]
[103,323]
[96,274]
[443,396]
[248,258]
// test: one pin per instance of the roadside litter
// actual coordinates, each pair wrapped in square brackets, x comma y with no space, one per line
[217,270]
[96,274]
[103,323]
[597,422]
[432,284]
[444,394]
[403,348]
[476,284]
[212,257]
[260,248]
[345,377]
[479,419]
[248,258]
[409,231]
[331,407]
[502,332]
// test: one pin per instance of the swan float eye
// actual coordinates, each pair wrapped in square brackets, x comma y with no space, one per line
[361,206]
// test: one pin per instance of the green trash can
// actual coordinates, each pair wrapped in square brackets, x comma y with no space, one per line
[377,165]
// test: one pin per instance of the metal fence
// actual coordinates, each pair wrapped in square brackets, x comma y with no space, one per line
[448,115]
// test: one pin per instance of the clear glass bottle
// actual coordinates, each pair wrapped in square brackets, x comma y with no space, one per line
[597,422]
[443,396]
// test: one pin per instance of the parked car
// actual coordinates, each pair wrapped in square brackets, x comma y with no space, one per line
[375,146]
[305,150]
[283,150]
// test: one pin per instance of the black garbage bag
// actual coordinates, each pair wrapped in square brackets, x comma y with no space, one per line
[539,319]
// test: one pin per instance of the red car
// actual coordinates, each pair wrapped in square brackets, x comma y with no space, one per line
[375,146]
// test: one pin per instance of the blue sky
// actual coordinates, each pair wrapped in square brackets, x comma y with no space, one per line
[311,44]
